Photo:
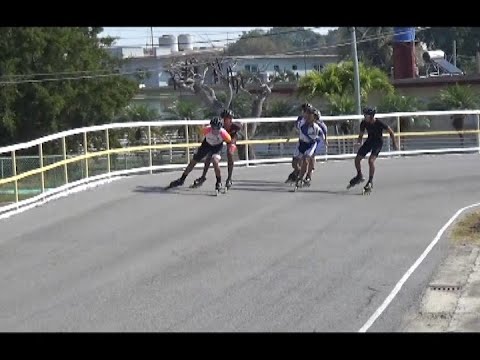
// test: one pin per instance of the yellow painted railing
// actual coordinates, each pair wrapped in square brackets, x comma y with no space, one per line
[66,160]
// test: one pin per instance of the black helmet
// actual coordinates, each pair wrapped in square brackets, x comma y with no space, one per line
[216,123]
[369,111]
[306,106]
[226,113]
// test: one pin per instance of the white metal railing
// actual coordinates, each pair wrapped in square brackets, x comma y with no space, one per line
[340,147]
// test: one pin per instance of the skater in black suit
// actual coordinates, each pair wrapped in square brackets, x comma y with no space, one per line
[373,144]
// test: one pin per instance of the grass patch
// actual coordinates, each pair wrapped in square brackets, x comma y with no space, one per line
[467,229]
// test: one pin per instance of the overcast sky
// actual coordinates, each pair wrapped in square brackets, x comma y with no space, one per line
[202,36]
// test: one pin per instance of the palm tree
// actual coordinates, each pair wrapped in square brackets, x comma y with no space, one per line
[342,105]
[338,79]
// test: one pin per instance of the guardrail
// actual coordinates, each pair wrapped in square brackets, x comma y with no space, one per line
[77,156]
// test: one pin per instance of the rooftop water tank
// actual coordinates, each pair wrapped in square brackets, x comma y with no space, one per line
[185,42]
[433,54]
[169,42]
[404,34]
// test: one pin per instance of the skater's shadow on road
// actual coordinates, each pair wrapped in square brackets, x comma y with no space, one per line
[265,185]
[178,190]
[241,185]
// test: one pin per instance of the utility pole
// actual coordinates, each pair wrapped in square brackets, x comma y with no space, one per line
[356,72]
[304,56]
[455,53]
[151,34]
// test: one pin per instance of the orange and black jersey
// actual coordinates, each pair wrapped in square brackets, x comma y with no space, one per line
[234,128]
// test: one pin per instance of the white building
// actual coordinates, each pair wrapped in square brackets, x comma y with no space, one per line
[272,64]
[156,60]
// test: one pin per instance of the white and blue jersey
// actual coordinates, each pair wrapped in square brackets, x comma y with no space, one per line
[309,137]
[321,142]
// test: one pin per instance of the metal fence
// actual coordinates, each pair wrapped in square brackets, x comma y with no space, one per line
[77,156]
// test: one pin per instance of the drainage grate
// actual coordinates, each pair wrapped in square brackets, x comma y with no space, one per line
[445,287]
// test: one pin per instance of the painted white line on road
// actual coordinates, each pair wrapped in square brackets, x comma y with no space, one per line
[410,271]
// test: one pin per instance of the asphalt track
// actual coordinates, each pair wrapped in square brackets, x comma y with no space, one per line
[129,256]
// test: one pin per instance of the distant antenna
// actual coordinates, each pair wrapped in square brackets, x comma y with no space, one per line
[151,34]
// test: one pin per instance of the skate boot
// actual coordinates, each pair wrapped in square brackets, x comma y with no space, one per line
[298,183]
[175,183]
[355,181]
[292,178]
[218,187]
[228,184]
[307,181]
[198,182]
[367,189]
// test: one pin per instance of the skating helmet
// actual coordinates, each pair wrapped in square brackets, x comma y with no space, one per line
[226,113]
[216,123]
[305,106]
[369,111]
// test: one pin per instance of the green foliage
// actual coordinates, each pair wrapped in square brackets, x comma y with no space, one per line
[184,109]
[278,108]
[45,84]
[399,103]
[456,97]
[340,104]
[373,45]
[338,79]
[395,102]
[276,40]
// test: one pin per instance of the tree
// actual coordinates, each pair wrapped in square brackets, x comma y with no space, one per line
[279,108]
[57,78]
[200,76]
[373,45]
[339,79]
[277,40]
[186,110]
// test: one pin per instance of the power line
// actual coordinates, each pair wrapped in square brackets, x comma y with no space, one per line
[15,82]
[247,37]
[155,69]
[244,37]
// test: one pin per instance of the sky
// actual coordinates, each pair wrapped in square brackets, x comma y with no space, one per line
[202,36]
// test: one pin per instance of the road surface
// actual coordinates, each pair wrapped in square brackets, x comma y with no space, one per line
[129,256]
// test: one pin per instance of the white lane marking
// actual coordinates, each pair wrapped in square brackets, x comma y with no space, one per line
[410,271]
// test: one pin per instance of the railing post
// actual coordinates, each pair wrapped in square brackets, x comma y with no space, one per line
[398,133]
[187,141]
[85,145]
[478,131]
[14,170]
[150,163]
[42,174]
[246,145]
[107,142]
[65,166]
